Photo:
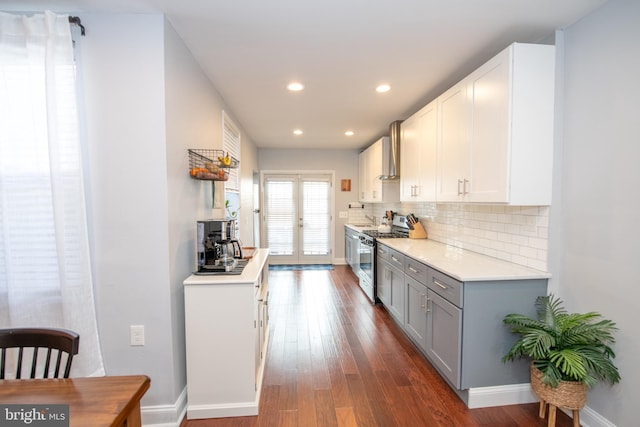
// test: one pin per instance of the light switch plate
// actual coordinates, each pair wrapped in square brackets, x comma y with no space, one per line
[136,333]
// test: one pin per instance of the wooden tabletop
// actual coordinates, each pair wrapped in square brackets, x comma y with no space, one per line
[93,401]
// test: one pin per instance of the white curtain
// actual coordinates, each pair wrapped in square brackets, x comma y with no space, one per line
[45,275]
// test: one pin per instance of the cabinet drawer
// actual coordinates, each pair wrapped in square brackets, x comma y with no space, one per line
[383,252]
[396,259]
[415,269]
[445,286]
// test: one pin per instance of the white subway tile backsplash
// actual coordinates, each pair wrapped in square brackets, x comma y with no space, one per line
[517,234]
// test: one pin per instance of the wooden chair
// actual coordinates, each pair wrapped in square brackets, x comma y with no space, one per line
[55,341]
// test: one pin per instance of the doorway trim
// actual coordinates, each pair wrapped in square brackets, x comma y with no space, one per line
[332,223]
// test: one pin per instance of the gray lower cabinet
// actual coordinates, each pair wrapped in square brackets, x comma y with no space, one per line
[444,336]
[416,313]
[457,325]
[390,281]
[351,245]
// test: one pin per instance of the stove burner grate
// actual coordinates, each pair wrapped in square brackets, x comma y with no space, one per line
[380,235]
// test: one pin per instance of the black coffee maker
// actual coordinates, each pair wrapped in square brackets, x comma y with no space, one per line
[218,247]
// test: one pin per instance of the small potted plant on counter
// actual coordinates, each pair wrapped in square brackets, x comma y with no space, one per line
[568,351]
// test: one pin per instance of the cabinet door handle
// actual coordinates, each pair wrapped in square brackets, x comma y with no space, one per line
[464,186]
[460,192]
[394,258]
[422,301]
[380,251]
[427,305]
[413,269]
[440,284]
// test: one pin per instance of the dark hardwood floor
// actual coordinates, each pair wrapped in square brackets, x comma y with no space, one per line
[336,360]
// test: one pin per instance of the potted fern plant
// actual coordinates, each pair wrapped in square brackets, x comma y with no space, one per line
[568,351]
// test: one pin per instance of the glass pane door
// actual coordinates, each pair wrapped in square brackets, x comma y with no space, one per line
[297,218]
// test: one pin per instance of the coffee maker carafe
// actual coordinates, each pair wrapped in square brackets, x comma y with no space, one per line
[218,247]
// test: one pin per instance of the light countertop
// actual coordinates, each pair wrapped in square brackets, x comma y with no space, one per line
[250,273]
[361,227]
[461,264]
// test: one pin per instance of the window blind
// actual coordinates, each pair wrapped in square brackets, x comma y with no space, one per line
[280,212]
[315,211]
[231,145]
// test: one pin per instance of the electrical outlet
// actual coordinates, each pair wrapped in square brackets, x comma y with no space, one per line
[343,214]
[136,333]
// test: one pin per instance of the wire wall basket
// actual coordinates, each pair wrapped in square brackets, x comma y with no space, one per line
[211,165]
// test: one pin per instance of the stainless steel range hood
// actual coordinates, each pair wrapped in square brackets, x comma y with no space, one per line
[391,153]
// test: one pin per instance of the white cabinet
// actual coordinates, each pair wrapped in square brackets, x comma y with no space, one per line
[227,329]
[454,160]
[418,156]
[371,164]
[495,136]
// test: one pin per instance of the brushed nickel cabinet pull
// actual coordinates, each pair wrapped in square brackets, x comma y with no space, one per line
[440,284]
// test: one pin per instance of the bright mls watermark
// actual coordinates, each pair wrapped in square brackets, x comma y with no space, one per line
[34,415]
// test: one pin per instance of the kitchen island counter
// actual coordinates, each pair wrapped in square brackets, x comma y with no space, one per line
[461,264]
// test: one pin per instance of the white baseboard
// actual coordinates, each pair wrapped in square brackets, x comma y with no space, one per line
[242,409]
[165,415]
[339,261]
[590,418]
[484,397]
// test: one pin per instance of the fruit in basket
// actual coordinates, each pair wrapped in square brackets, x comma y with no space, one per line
[225,161]
[211,167]
[197,172]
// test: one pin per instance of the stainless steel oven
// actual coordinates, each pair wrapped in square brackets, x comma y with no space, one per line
[366,275]
[367,252]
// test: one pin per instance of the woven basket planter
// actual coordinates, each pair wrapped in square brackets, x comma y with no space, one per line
[569,394]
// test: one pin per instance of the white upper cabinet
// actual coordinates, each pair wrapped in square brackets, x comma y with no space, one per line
[371,167]
[454,142]
[495,136]
[418,156]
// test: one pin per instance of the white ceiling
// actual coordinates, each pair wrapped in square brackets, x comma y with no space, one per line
[340,50]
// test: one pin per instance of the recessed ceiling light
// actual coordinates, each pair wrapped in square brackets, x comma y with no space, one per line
[383,88]
[349,133]
[295,86]
[297,132]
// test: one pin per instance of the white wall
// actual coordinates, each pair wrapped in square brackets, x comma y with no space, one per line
[147,101]
[594,235]
[123,63]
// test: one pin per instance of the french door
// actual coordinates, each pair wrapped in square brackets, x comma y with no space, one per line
[297,218]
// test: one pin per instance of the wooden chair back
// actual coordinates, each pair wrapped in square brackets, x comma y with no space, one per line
[52,341]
